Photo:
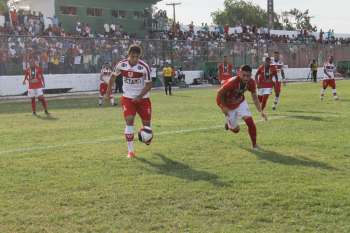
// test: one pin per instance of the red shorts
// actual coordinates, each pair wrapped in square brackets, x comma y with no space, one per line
[277,87]
[103,88]
[328,83]
[142,107]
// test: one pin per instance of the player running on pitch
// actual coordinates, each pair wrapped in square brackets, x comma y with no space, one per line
[225,71]
[330,71]
[231,100]
[137,84]
[105,76]
[36,82]
[278,64]
[264,78]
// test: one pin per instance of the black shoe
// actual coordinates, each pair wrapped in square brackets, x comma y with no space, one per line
[274,108]
[226,126]
[46,112]
[34,113]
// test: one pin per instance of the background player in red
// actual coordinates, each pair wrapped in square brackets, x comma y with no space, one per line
[36,82]
[225,70]
[137,84]
[330,71]
[264,78]
[278,64]
[231,100]
[105,76]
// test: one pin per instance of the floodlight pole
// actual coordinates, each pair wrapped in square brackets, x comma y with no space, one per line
[174,4]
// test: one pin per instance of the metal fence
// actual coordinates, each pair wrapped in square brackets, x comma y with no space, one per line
[59,55]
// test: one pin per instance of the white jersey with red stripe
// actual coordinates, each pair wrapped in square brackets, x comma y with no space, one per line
[134,77]
[331,69]
[279,67]
[106,74]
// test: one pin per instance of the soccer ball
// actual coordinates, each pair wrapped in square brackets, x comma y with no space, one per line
[146,135]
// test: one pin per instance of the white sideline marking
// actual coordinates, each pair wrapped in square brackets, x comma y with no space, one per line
[181,131]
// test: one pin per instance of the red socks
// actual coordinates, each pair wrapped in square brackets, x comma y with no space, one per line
[33,105]
[251,129]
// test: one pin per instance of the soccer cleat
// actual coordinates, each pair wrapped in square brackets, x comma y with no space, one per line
[256,148]
[274,108]
[34,113]
[46,112]
[131,155]
[336,98]
[321,98]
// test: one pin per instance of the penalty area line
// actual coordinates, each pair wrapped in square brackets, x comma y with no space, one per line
[100,141]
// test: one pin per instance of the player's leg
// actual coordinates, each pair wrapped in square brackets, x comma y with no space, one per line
[170,86]
[264,101]
[144,109]
[166,85]
[245,114]
[232,121]
[260,95]
[43,101]
[31,95]
[277,88]
[103,91]
[112,100]
[129,112]
[333,85]
[323,88]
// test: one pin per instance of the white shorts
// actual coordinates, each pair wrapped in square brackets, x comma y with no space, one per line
[35,92]
[238,113]
[264,91]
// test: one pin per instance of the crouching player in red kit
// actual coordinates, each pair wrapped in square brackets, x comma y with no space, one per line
[231,100]
[35,78]
[264,78]
[105,76]
[137,84]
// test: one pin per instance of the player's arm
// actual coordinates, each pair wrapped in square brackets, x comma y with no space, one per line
[221,100]
[42,79]
[283,74]
[258,105]
[116,73]
[25,78]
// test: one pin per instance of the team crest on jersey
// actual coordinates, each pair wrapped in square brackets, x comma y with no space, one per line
[139,67]
[124,65]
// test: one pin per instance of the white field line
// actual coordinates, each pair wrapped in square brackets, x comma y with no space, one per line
[98,141]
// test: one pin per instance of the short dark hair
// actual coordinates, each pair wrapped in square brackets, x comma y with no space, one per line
[246,68]
[135,49]
[276,52]
[267,58]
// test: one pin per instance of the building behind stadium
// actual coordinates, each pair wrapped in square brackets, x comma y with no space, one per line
[134,16]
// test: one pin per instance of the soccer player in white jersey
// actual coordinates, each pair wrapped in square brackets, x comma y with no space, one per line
[330,71]
[278,64]
[105,76]
[137,84]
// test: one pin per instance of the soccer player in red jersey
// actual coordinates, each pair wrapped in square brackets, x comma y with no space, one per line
[105,76]
[231,100]
[137,84]
[330,71]
[264,78]
[225,71]
[278,64]
[36,82]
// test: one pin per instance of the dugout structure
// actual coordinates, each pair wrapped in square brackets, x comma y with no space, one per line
[133,15]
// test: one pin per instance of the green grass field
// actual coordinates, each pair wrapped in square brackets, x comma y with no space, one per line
[69,173]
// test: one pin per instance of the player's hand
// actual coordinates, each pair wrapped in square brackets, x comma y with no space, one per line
[225,110]
[263,115]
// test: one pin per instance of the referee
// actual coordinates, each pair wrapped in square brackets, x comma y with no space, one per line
[168,77]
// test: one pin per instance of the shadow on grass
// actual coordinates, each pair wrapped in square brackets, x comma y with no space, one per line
[174,168]
[57,104]
[309,118]
[300,111]
[276,157]
[47,118]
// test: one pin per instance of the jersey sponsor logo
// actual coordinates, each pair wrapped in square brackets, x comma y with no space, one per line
[132,81]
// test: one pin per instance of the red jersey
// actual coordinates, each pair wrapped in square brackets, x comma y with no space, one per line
[34,77]
[225,71]
[266,76]
[234,90]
